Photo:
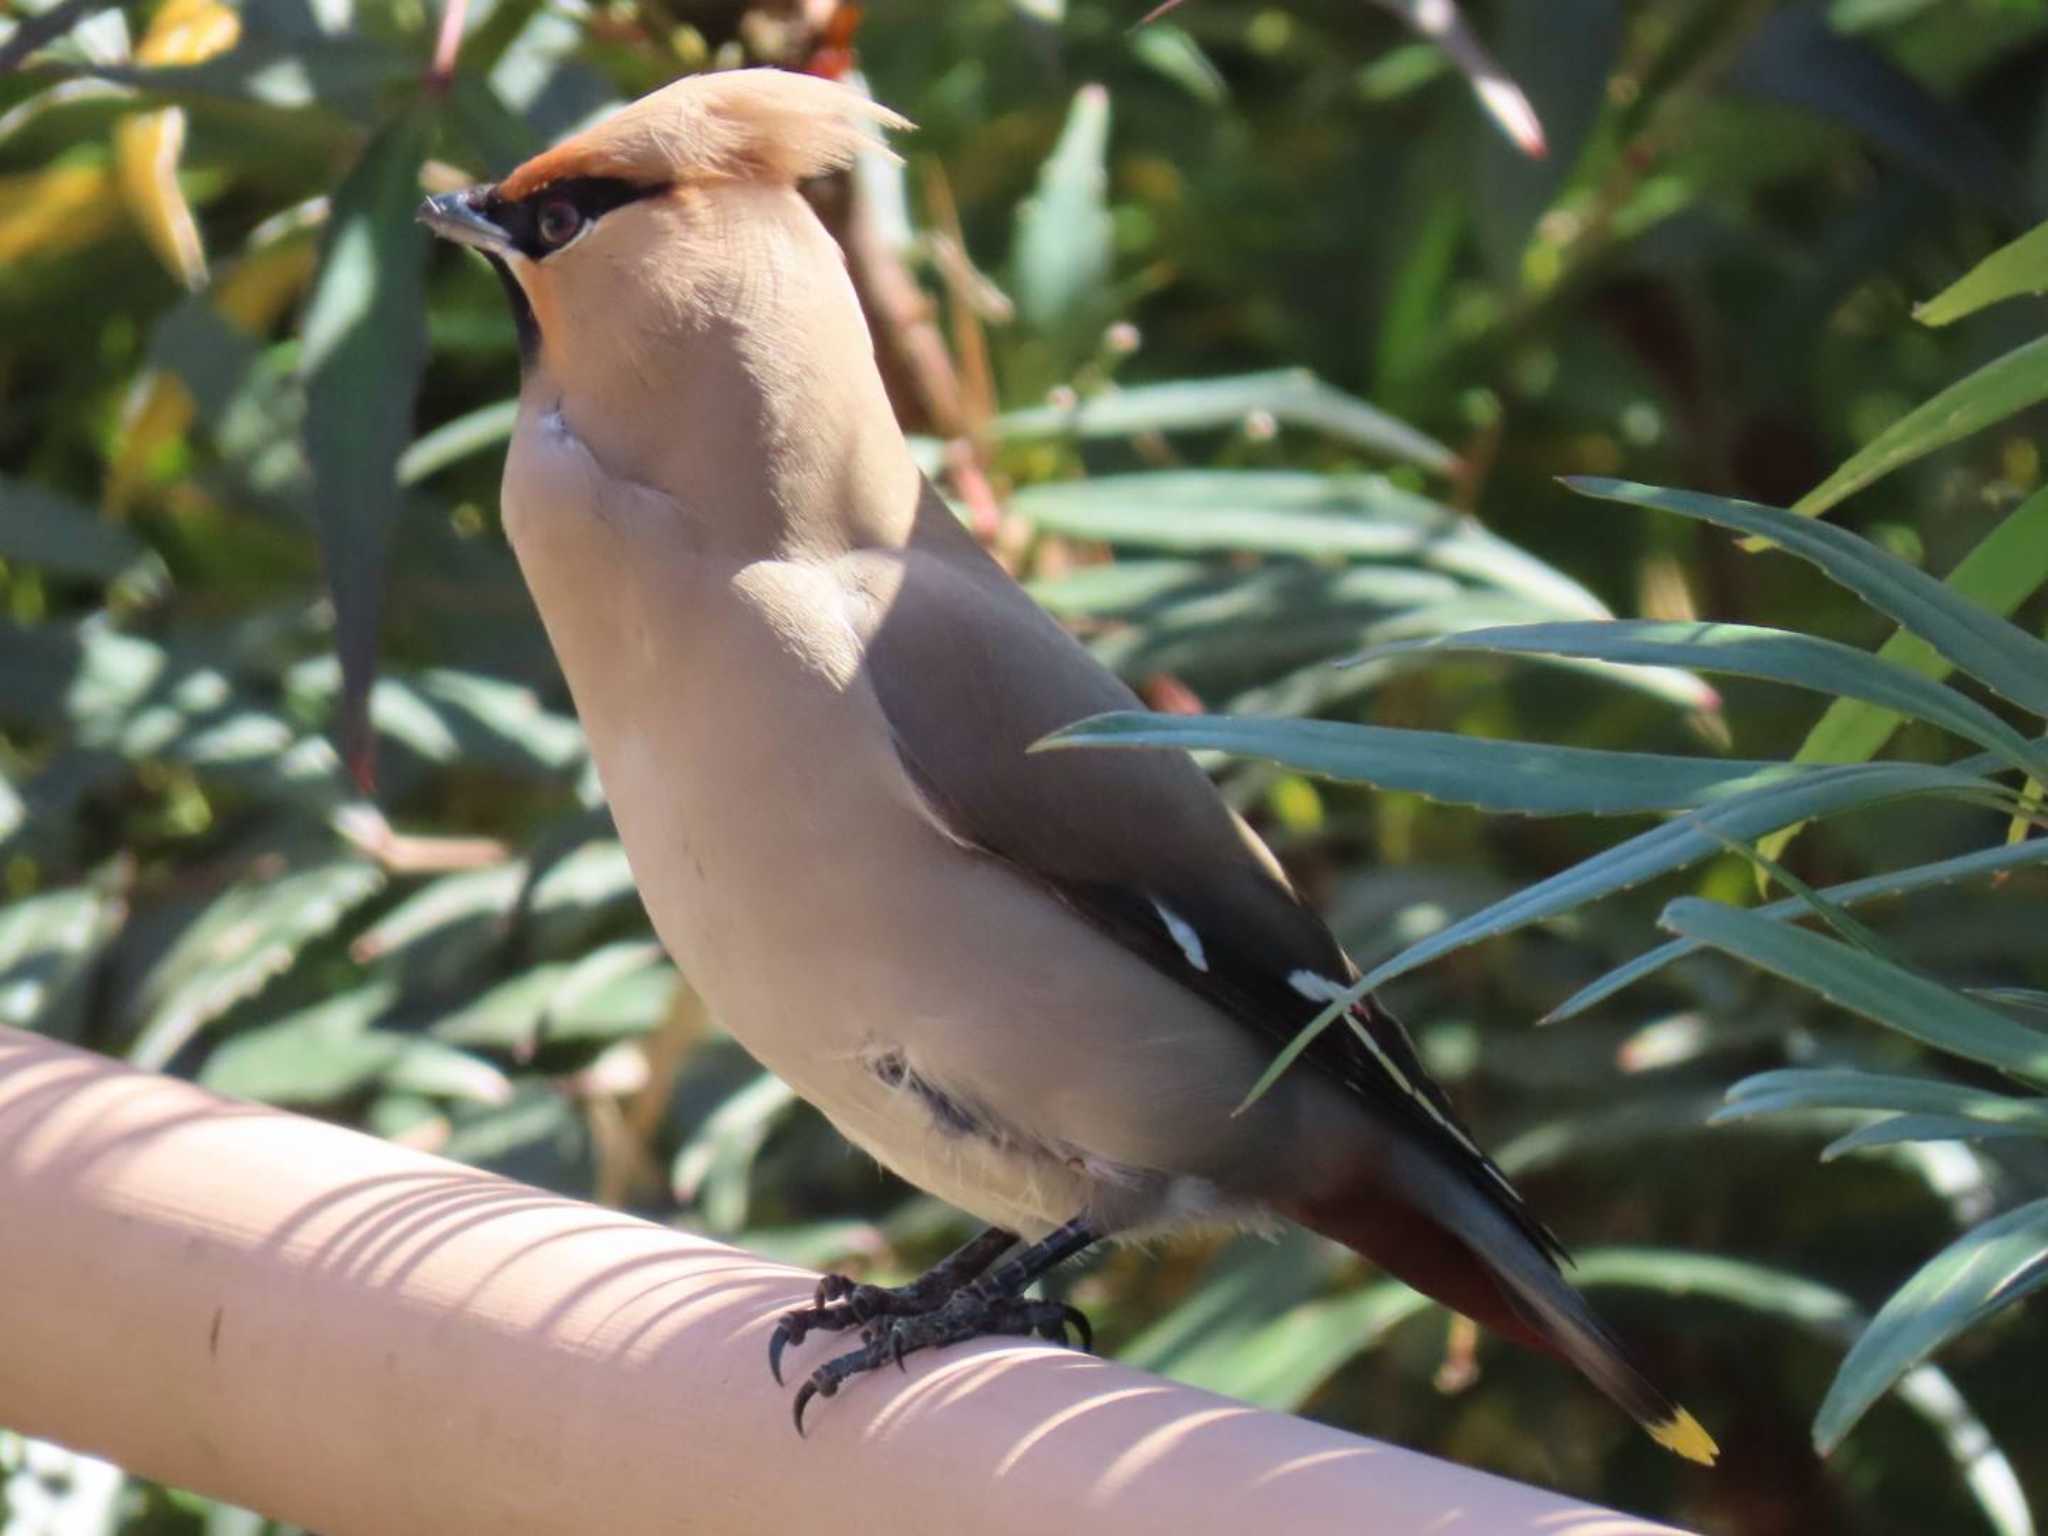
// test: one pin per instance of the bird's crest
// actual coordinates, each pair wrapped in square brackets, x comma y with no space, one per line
[742,124]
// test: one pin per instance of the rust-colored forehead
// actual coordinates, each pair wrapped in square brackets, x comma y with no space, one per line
[578,157]
[744,123]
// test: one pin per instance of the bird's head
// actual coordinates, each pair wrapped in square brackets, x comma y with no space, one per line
[663,257]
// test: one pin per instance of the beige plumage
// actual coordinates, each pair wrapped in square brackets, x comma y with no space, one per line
[1035,985]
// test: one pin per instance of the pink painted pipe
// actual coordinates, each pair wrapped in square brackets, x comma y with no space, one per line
[372,1342]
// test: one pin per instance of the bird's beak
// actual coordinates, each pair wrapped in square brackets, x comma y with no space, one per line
[459,216]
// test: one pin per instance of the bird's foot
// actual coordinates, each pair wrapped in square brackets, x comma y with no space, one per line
[841,1303]
[973,1312]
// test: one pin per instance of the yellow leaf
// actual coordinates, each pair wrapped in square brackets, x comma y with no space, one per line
[265,283]
[146,150]
[147,146]
[45,213]
[188,32]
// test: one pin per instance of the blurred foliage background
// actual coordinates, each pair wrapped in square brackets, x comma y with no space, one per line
[1251,338]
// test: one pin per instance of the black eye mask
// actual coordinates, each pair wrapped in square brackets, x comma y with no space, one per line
[542,223]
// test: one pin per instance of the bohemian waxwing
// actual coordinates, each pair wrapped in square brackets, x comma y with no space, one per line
[1036,985]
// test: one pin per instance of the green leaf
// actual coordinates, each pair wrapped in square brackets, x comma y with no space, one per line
[1741,650]
[1248,1283]
[40,528]
[1178,57]
[452,441]
[314,1056]
[2000,655]
[47,945]
[714,1168]
[1293,397]
[1066,240]
[1985,861]
[1284,512]
[1644,857]
[2006,567]
[1798,1088]
[1905,1128]
[1920,1008]
[1976,1276]
[244,938]
[365,333]
[1994,392]
[1502,776]
[2018,268]
[1280,1363]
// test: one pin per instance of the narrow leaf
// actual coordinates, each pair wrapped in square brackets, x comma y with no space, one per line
[2011,270]
[365,346]
[2006,567]
[1291,396]
[1799,1088]
[2000,655]
[1644,857]
[1362,517]
[1500,776]
[1997,390]
[1905,1128]
[1890,994]
[483,428]
[1066,240]
[1976,1276]
[1741,650]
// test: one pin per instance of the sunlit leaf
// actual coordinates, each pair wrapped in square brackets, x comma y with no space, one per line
[47,944]
[149,145]
[2018,268]
[713,1169]
[1361,517]
[451,442]
[1293,397]
[1065,238]
[244,939]
[45,213]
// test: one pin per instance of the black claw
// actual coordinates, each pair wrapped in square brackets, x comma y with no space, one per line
[1082,1329]
[804,1394]
[784,1337]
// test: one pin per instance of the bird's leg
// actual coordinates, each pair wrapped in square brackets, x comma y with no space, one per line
[842,1303]
[994,1304]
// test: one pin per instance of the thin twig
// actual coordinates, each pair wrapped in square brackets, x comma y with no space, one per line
[447,43]
[33,32]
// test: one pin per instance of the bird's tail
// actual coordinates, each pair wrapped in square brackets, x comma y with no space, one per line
[1450,1241]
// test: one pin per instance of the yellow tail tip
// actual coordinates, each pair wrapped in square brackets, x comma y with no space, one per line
[1682,1433]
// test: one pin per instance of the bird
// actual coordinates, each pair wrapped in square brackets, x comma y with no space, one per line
[1038,985]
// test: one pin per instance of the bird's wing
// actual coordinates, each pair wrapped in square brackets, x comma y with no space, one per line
[970,672]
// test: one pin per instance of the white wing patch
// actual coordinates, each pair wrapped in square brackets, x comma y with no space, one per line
[1184,935]
[1321,989]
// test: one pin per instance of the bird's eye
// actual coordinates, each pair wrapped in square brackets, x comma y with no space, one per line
[558,222]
